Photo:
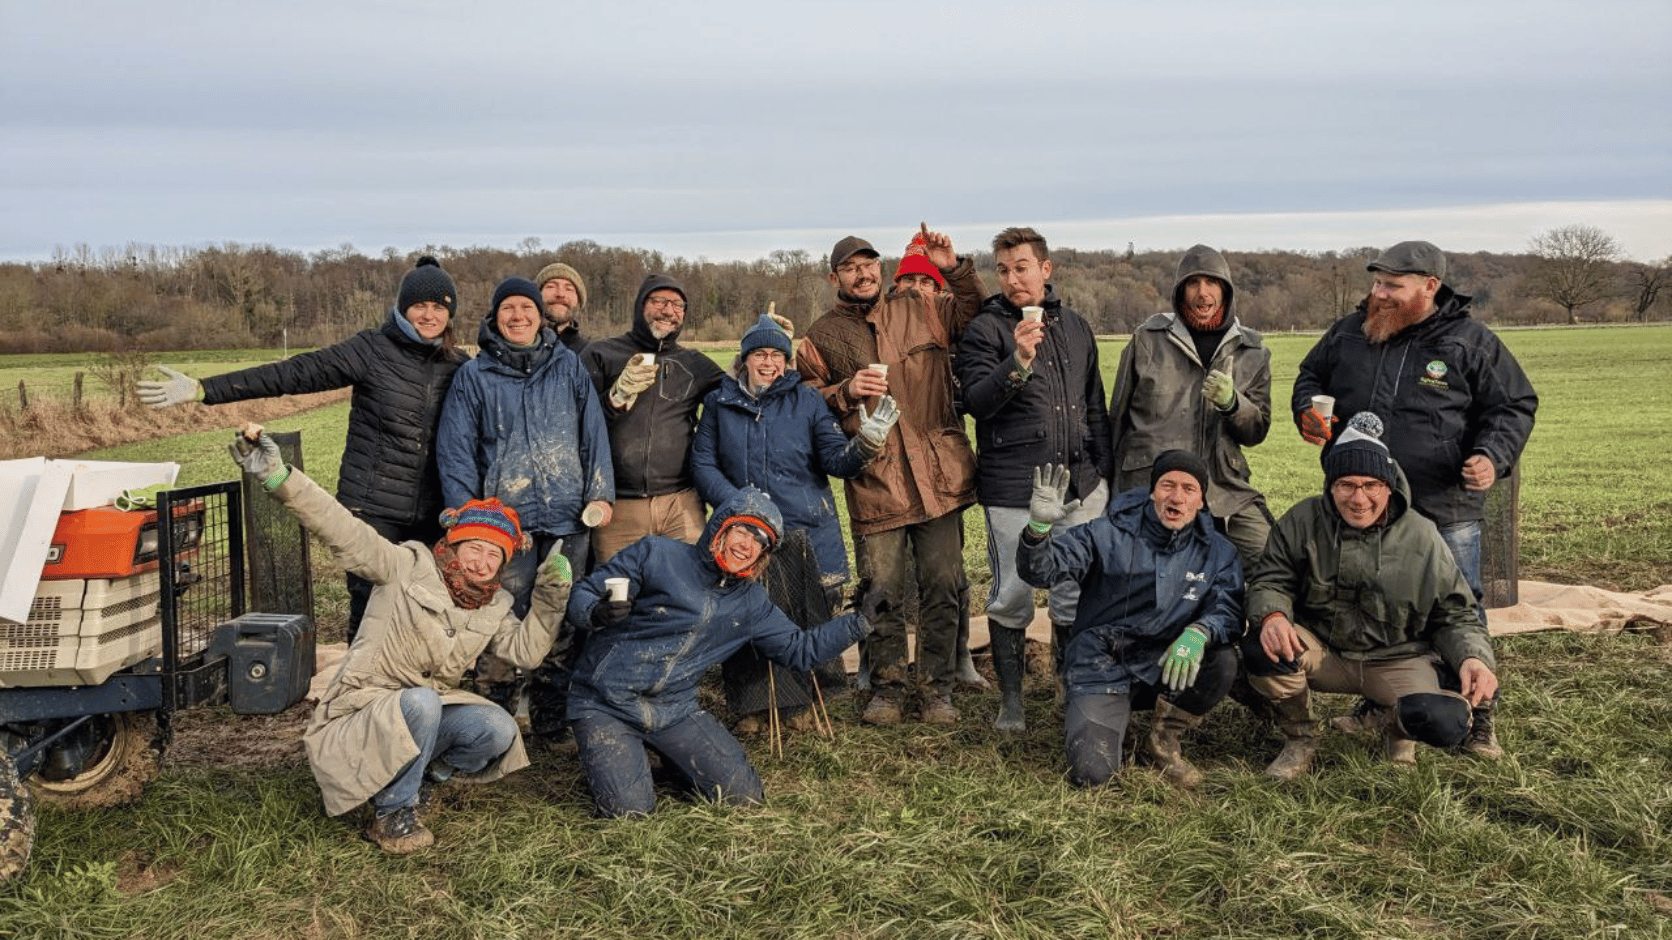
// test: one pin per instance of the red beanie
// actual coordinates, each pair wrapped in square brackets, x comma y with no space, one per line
[487,519]
[917,261]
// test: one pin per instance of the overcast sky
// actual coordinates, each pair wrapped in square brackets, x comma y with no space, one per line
[727,129]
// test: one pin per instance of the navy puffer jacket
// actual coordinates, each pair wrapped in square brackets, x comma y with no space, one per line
[388,468]
[687,616]
[786,443]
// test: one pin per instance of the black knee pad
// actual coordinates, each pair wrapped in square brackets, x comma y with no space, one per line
[1434,719]
[1255,662]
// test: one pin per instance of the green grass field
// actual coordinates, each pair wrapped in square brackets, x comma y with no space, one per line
[959,832]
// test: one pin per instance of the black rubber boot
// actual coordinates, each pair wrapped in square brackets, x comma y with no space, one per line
[1008,662]
[1059,642]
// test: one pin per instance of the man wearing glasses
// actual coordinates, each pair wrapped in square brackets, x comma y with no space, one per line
[1357,594]
[651,387]
[905,509]
[1458,406]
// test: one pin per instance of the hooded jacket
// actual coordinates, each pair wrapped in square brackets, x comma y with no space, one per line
[388,467]
[787,444]
[1141,584]
[413,636]
[651,442]
[1446,389]
[1389,591]
[926,469]
[1158,405]
[687,616]
[1055,415]
[525,426]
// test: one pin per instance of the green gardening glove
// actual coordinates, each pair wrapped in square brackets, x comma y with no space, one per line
[1184,659]
[555,569]
[1220,390]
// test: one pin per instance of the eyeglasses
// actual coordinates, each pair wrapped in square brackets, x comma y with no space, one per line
[854,267]
[1347,490]
[666,303]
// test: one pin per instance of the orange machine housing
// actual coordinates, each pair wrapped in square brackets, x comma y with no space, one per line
[106,542]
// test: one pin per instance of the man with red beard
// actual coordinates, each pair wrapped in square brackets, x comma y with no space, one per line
[1195,378]
[905,509]
[1457,407]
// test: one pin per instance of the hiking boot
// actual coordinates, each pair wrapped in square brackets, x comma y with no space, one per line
[1170,722]
[883,709]
[399,832]
[1294,717]
[939,710]
[1008,648]
[1481,741]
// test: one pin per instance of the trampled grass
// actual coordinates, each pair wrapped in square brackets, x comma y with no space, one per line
[930,832]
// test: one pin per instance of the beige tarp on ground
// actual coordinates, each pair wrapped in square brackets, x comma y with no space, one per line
[1580,608]
[1542,606]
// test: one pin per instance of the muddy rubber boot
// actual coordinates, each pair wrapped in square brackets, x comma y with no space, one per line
[1059,643]
[883,709]
[1009,663]
[399,832]
[1482,741]
[1294,717]
[1169,724]
[1397,746]
[967,674]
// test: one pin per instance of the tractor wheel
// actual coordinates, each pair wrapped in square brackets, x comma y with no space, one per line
[17,821]
[126,757]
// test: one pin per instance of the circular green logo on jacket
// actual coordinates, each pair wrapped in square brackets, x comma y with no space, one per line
[1436,369]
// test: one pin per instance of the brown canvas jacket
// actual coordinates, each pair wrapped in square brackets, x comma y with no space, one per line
[926,468]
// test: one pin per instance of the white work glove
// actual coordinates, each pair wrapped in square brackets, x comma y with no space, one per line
[874,426]
[633,380]
[260,459]
[1220,390]
[1050,488]
[179,389]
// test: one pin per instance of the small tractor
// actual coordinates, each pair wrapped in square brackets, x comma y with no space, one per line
[140,612]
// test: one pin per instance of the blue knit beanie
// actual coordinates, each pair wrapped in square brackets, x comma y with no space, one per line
[766,333]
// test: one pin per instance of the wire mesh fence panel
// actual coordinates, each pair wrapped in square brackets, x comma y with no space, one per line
[1500,542]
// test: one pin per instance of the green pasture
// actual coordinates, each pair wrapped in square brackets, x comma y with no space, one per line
[934,832]
[52,375]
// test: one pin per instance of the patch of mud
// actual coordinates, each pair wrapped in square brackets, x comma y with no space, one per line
[215,737]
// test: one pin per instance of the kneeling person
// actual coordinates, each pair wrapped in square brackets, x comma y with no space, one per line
[394,716]
[689,607]
[1357,594]
[1160,602]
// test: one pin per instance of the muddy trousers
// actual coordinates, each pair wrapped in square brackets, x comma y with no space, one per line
[935,550]
[466,738]
[1094,725]
[617,766]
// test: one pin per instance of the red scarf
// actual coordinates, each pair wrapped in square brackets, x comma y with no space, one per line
[466,593]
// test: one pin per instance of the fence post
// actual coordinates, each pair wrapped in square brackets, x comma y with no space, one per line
[76,399]
[22,396]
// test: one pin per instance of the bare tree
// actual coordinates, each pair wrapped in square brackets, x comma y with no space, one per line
[1575,266]
[1647,281]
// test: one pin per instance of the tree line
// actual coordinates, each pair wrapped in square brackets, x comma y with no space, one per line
[229,296]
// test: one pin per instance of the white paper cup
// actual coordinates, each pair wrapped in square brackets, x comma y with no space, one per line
[879,367]
[591,516]
[617,588]
[1036,314]
[1324,404]
[648,359]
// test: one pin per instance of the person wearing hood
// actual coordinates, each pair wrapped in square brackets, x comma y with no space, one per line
[522,425]
[400,373]
[905,510]
[394,722]
[563,295]
[1035,390]
[764,428]
[688,607]
[650,387]
[1160,605]
[1457,406]
[1196,378]
[1357,594]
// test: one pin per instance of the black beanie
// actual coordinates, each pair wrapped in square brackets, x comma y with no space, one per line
[1171,460]
[515,286]
[1359,451]
[428,282]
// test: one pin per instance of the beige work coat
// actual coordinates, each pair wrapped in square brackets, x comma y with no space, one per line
[413,636]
